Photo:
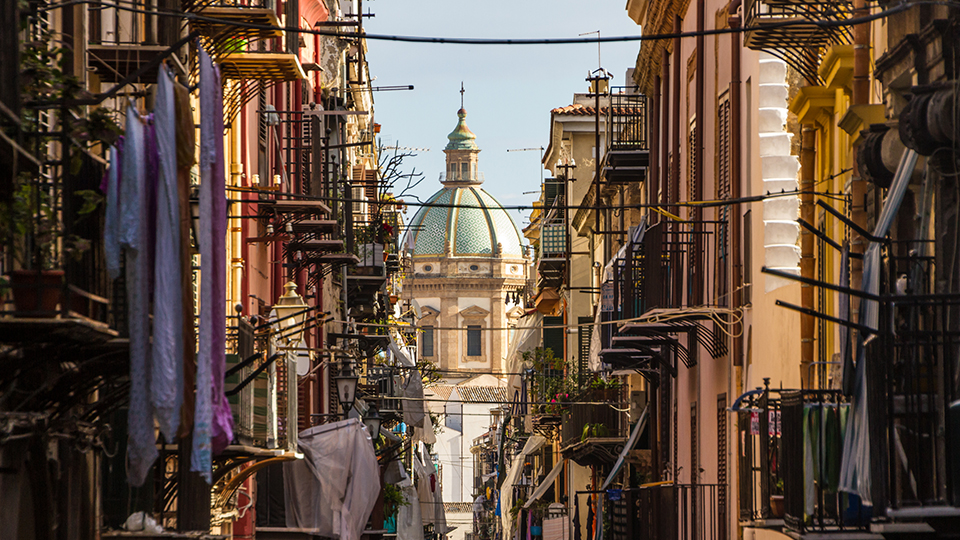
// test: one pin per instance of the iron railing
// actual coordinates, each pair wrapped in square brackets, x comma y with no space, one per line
[579,416]
[666,512]
[916,364]
[789,29]
[761,481]
[812,448]
[627,116]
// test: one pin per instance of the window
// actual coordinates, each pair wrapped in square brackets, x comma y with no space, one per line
[474,267]
[747,255]
[723,193]
[426,341]
[473,341]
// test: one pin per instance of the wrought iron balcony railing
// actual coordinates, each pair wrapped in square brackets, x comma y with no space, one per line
[812,424]
[628,154]
[668,512]
[916,364]
[583,421]
[788,29]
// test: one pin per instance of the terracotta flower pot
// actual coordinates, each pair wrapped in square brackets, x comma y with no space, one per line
[36,292]
[776,506]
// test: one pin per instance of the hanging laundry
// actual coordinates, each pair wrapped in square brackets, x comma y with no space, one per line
[200,455]
[213,422]
[222,414]
[186,158]
[111,226]
[167,301]
[134,203]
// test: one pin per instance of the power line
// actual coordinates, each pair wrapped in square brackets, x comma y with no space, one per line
[713,203]
[821,23]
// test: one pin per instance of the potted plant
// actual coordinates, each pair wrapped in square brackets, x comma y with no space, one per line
[39,245]
[776,499]
[392,501]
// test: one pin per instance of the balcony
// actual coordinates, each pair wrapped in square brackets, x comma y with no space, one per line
[628,152]
[552,252]
[668,512]
[258,12]
[659,272]
[593,432]
[922,416]
[121,41]
[786,29]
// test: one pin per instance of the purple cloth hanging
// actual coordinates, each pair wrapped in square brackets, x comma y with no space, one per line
[168,317]
[134,201]
[213,423]
[222,415]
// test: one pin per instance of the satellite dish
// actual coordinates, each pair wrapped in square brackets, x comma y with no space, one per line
[417,311]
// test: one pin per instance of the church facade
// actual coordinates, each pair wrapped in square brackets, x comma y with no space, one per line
[468,268]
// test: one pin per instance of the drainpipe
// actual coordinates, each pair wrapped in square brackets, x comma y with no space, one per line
[808,156]
[697,151]
[236,262]
[665,130]
[653,136]
[677,278]
[858,187]
[736,217]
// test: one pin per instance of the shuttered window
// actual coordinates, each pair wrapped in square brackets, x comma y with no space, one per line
[723,193]
[473,341]
[426,341]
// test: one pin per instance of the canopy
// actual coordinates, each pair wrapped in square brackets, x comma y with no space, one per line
[547,482]
[506,491]
[855,465]
[334,488]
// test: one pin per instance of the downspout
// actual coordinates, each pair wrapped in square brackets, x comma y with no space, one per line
[236,229]
[245,224]
[858,187]
[736,216]
[665,131]
[677,278]
[653,135]
[697,151]
[808,154]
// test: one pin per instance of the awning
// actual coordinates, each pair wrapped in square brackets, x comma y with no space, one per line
[547,482]
[855,468]
[506,491]
[631,442]
[313,11]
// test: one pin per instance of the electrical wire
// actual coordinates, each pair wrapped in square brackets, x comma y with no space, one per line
[820,23]
[657,207]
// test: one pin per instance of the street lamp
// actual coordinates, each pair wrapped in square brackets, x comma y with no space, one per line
[372,420]
[292,310]
[346,381]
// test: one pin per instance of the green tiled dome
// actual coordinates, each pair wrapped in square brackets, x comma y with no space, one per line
[461,138]
[470,232]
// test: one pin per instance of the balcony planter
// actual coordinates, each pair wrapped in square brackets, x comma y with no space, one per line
[35,291]
[776,506]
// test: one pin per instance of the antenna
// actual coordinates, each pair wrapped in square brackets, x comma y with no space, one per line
[406,148]
[540,148]
[597,32]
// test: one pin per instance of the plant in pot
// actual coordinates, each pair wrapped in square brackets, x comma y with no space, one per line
[392,501]
[776,499]
[38,245]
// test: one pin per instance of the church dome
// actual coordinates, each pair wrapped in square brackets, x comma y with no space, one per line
[462,219]
[470,232]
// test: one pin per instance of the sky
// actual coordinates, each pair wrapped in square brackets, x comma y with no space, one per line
[510,89]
